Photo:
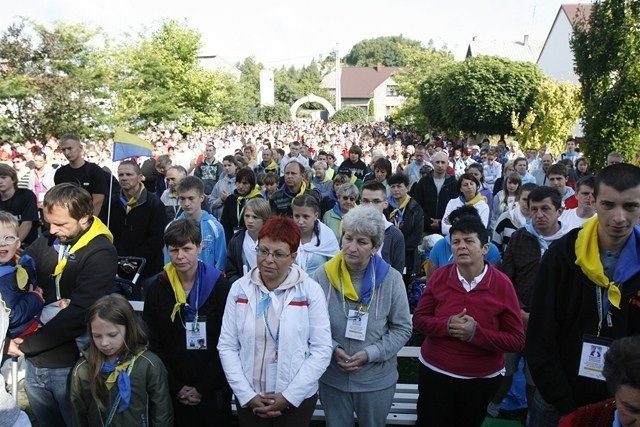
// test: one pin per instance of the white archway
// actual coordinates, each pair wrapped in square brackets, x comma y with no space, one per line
[311,98]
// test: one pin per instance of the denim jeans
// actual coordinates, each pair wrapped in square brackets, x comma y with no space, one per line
[48,390]
[541,413]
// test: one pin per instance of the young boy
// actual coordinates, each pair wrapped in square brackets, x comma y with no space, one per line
[23,305]
[214,248]
[558,176]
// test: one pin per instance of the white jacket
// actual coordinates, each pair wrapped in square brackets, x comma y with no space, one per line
[305,345]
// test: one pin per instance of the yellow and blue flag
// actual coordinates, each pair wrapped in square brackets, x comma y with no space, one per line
[126,145]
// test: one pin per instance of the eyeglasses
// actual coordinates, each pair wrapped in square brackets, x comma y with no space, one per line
[277,255]
[345,198]
[8,240]
[374,201]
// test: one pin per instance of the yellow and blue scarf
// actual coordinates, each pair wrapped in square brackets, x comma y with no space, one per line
[588,259]
[97,229]
[119,373]
[339,276]
[206,278]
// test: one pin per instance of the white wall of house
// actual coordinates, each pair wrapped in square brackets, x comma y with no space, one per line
[385,99]
[556,58]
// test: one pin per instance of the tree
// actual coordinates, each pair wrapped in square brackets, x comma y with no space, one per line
[349,115]
[606,50]
[54,81]
[480,94]
[422,65]
[387,50]
[555,112]
[161,81]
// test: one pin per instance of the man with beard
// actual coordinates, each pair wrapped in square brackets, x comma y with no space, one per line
[75,266]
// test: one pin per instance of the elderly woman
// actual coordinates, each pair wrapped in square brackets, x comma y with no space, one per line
[231,217]
[370,323]
[470,316]
[275,341]
[347,196]
[241,252]
[468,187]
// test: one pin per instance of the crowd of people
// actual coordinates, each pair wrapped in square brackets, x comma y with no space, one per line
[284,263]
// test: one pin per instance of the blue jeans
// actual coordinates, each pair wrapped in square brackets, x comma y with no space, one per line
[541,413]
[48,390]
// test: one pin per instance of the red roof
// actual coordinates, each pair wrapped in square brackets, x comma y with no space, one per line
[575,12]
[360,82]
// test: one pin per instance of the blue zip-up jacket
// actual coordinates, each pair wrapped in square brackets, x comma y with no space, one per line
[214,245]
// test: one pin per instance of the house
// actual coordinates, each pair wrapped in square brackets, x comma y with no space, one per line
[361,85]
[524,51]
[556,58]
[217,63]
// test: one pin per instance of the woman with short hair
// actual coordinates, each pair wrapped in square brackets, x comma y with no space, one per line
[470,316]
[275,341]
[370,323]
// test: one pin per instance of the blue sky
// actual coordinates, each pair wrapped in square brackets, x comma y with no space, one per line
[292,32]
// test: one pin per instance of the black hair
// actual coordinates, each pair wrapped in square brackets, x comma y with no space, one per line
[308,201]
[462,211]
[182,232]
[620,177]
[468,177]
[542,192]
[469,224]
[399,178]
[588,181]
[374,185]
[622,364]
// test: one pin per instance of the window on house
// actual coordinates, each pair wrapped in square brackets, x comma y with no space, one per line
[392,90]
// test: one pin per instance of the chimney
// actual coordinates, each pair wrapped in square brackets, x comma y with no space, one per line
[526,39]
[379,67]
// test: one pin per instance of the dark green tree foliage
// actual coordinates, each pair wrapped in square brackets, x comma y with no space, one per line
[161,81]
[274,114]
[349,115]
[54,81]
[480,94]
[606,50]
[423,66]
[385,50]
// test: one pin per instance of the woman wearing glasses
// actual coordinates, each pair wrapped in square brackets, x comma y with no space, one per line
[370,323]
[275,341]
[347,196]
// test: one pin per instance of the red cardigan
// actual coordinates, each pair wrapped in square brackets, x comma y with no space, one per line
[492,303]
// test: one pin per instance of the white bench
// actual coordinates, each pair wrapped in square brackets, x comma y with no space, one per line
[403,408]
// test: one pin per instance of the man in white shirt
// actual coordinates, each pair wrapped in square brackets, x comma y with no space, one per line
[574,218]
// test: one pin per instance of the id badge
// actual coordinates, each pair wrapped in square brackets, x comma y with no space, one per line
[357,325]
[196,336]
[592,356]
[271,377]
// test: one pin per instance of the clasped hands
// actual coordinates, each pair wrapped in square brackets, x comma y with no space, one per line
[462,326]
[268,405]
[189,396]
[348,363]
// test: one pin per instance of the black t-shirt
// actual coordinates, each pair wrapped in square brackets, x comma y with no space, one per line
[89,176]
[24,206]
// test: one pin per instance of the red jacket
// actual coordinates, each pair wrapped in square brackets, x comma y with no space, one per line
[492,303]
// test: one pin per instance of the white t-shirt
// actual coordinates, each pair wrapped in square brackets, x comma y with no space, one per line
[572,220]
